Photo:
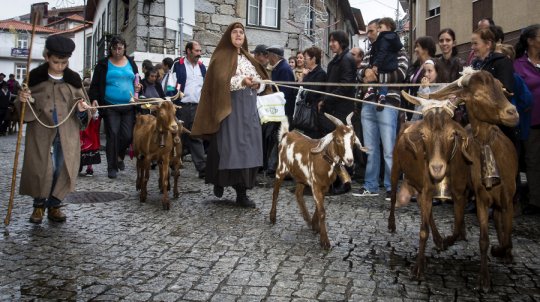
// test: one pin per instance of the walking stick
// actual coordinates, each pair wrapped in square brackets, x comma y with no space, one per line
[21,121]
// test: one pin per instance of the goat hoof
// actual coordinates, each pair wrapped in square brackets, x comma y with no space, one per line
[501,252]
[166,206]
[483,284]
[176,194]
[325,244]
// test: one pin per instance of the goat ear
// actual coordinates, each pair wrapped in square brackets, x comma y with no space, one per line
[358,144]
[412,138]
[323,142]
[464,146]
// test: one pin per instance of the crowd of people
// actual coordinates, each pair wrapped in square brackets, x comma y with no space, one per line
[230,147]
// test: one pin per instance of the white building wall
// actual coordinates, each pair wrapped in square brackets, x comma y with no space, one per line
[8,63]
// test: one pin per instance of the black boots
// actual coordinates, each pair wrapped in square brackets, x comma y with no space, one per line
[241,197]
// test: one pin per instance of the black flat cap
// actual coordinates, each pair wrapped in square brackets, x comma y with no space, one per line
[276,49]
[60,46]
[260,49]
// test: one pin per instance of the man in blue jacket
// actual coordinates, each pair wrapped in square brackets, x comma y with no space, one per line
[190,73]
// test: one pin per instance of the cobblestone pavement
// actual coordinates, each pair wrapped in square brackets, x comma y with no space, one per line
[207,249]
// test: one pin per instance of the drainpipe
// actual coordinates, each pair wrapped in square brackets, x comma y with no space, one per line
[148,26]
[181,28]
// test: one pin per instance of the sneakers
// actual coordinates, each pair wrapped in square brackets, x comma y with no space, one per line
[388,195]
[370,95]
[381,100]
[89,172]
[365,192]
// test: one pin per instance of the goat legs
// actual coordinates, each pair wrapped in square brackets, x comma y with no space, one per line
[459,221]
[318,195]
[176,174]
[482,213]
[394,176]
[145,175]
[301,202]
[277,185]
[164,174]
[503,217]
[418,268]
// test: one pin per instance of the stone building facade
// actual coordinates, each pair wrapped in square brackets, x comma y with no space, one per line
[151,27]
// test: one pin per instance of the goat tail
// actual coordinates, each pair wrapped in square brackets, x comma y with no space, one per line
[283,129]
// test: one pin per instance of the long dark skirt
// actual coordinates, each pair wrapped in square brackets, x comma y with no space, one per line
[235,151]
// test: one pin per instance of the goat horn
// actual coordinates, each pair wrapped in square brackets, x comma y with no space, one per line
[414,99]
[334,119]
[179,95]
[349,118]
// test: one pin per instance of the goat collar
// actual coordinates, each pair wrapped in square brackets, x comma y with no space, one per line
[329,159]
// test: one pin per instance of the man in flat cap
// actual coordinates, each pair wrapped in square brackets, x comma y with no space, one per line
[261,55]
[281,71]
[55,90]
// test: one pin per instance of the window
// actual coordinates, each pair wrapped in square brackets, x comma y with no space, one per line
[309,20]
[22,41]
[263,13]
[88,53]
[20,72]
[433,8]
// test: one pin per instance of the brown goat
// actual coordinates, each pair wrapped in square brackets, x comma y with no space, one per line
[176,156]
[147,134]
[427,151]
[314,163]
[488,106]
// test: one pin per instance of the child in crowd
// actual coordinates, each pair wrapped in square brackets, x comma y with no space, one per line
[384,59]
[47,177]
[430,76]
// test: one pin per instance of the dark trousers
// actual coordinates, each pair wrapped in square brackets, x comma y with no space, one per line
[119,124]
[3,117]
[195,146]
[270,145]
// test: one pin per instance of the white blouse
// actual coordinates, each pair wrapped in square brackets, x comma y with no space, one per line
[244,69]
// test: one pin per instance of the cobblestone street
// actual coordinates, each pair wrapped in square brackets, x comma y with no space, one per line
[208,249]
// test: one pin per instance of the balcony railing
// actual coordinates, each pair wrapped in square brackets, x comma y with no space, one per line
[19,52]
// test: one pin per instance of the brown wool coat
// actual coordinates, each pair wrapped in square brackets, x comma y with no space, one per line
[37,169]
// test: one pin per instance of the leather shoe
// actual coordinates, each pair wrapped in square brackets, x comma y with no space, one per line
[202,174]
[531,210]
[245,202]
[218,191]
[121,165]
[56,215]
[37,215]
[342,189]
[112,173]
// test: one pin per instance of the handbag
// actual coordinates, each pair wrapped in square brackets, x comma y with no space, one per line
[304,117]
[170,86]
[271,107]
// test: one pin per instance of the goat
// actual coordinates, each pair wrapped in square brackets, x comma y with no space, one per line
[149,130]
[487,105]
[427,151]
[176,156]
[314,163]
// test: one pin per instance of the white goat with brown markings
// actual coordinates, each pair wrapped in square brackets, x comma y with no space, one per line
[314,163]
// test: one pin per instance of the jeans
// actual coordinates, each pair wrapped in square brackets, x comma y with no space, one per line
[378,126]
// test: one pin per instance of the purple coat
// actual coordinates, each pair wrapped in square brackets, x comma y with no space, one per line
[531,76]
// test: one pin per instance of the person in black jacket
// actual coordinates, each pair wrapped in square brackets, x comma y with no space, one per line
[5,102]
[113,83]
[342,69]
[312,59]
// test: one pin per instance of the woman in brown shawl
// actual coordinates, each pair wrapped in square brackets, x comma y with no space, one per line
[227,116]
